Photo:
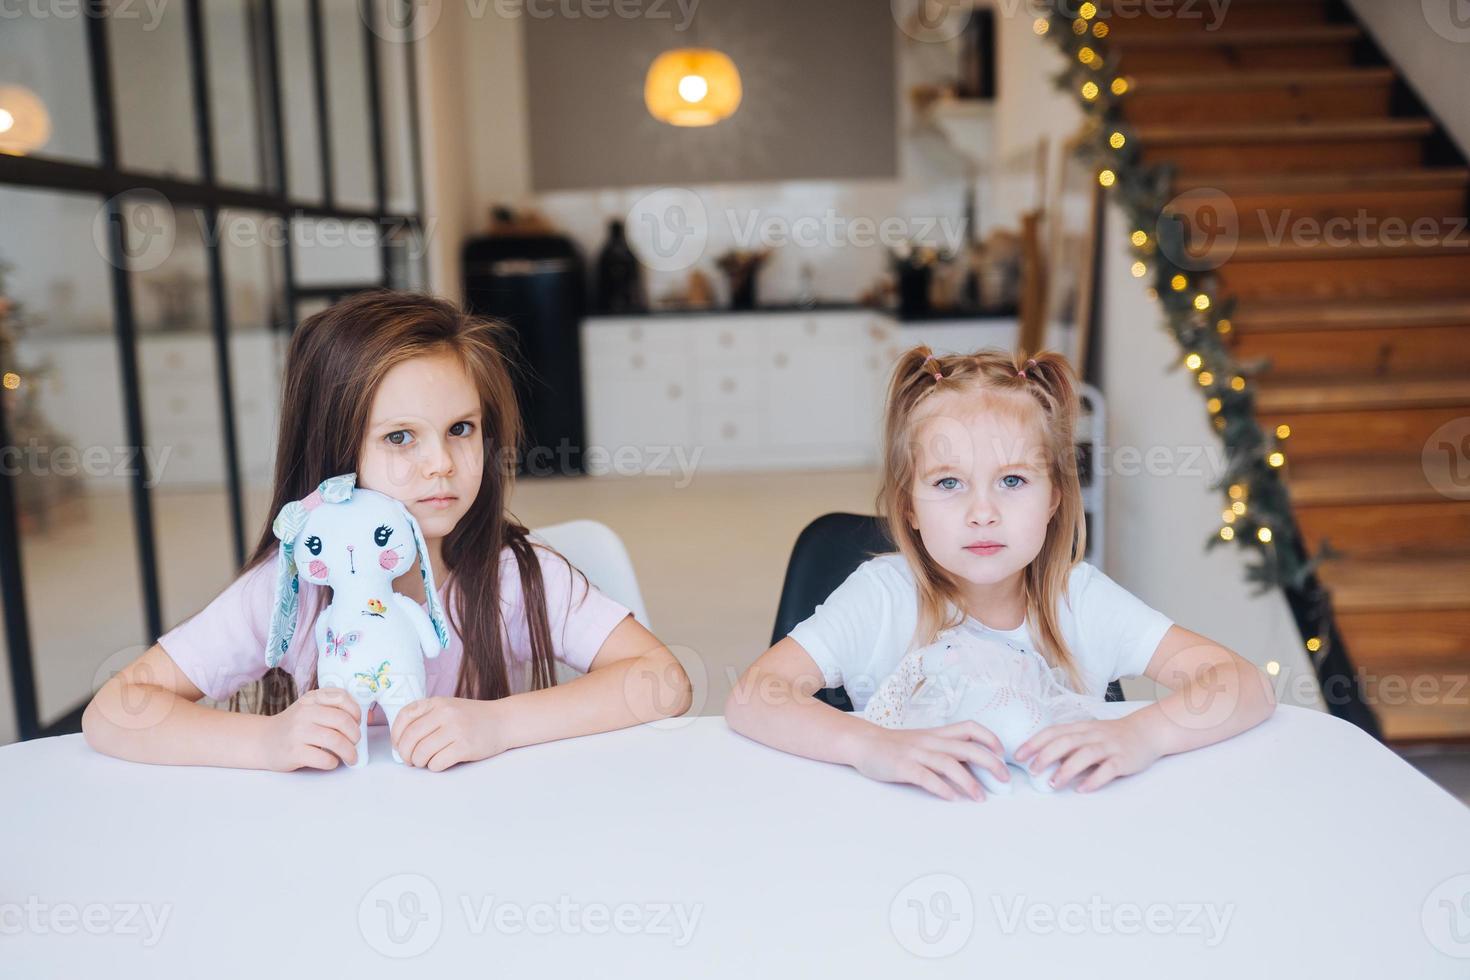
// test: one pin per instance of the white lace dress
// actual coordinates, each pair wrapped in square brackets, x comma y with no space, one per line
[967,676]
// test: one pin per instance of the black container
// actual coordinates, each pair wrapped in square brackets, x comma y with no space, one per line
[619,275]
[537,285]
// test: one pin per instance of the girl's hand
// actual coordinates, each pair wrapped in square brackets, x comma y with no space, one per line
[436,733]
[319,730]
[921,756]
[1110,747]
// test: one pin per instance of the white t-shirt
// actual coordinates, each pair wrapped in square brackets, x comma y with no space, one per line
[859,635]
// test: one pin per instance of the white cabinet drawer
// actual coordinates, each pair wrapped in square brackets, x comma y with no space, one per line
[740,385]
[720,432]
[727,339]
[609,339]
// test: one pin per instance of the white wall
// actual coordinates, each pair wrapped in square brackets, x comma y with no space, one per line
[1161,513]
[1430,44]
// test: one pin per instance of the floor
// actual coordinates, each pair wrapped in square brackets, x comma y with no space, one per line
[710,554]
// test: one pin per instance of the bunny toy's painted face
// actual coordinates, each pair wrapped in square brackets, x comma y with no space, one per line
[425,443]
[367,540]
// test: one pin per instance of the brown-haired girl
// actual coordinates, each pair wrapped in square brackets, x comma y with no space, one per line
[981,495]
[416,398]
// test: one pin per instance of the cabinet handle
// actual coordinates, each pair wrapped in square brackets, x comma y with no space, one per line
[728,386]
[781,359]
[638,361]
[727,339]
[729,430]
[811,328]
[635,333]
[675,392]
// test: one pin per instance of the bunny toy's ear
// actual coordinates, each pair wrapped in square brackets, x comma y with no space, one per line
[426,571]
[287,528]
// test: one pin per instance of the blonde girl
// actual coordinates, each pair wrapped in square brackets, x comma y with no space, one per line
[980,493]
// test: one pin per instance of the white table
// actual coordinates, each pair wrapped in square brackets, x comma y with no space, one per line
[1319,852]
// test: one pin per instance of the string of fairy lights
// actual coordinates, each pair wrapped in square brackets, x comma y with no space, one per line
[1257,510]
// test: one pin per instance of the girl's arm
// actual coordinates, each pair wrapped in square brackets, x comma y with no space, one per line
[1216,694]
[633,679]
[773,703]
[148,713]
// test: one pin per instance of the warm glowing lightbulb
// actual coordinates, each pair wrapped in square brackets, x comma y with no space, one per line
[693,88]
[6,121]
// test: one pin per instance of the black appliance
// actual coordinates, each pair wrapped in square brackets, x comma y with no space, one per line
[537,285]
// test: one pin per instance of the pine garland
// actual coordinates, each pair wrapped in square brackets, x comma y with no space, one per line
[1257,514]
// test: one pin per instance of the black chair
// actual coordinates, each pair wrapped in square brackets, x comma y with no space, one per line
[826,552]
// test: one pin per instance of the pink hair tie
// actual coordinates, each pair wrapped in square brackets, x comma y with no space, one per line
[938,376]
[1022,373]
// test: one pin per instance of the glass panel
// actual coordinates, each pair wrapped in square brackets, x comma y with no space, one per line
[151,83]
[181,409]
[298,98]
[331,252]
[347,95]
[46,89]
[235,98]
[394,38]
[407,257]
[253,258]
[69,452]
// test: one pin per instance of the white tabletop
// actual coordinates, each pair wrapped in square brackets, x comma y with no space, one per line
[1301,848]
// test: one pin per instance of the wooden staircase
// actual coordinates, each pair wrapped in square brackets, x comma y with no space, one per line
[1287,115]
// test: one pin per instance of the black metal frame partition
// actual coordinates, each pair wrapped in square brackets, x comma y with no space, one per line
[106,181]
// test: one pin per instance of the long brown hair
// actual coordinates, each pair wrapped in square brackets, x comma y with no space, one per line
[336,360]
[1047,382]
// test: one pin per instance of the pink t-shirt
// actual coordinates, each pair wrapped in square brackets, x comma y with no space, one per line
[222,648]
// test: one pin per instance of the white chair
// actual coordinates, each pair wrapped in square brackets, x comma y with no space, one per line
[598,552]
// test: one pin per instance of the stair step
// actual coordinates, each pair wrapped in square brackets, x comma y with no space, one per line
[1259,96]
[1379,529]
[1419,709]
[1358,480]
[1397,351]
[1161,136]
[1227,48]
[1412,666]
[1372,270]
[1335,394]
[1287,251]
[1255,182]
[1398,584]
[1319,434]
[1432,639]
[1211,82]
[1205,18]
[1258,317]
[1306,207]
[1340,145]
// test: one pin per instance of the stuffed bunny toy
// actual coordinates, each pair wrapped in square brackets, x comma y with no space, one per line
[370,640]
[967,676]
